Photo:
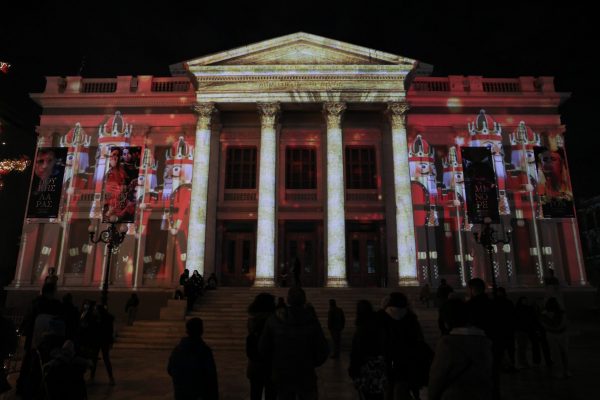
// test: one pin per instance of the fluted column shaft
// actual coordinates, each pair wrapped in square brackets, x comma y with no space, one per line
[197,220]
[405,232]
[265,231]
[336,224]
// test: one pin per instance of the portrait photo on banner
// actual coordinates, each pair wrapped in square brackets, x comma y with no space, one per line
[46,184]
[120,184]
[553,186]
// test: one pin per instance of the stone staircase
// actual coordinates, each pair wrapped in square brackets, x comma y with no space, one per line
[225,317]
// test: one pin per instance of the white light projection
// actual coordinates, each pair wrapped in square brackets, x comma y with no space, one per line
[265,231]
[405,232]
[336,228]
[197,222]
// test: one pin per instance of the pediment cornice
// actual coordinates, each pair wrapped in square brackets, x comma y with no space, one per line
[300,49]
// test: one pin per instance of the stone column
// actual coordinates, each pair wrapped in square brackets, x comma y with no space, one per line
[265,231]
[336,223]
[405,232]
[197,218]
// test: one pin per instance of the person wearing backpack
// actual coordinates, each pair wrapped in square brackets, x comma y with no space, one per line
[462,365]
[294,342]
[367,362]
[408,357]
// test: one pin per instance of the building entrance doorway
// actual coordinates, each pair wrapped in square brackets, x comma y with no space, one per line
[364,255]
[301,252]
[238,261]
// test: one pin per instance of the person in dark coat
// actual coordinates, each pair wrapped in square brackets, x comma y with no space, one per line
[131,308]
[367,361]
[46,306]
[335,323]
[105,337]
[192,366]
[462,366]
[294,342]
[71,316]
[441,297]
[482,315]
[297,270]
[259,369]
[280,303]
[64,374]
[211,282]
[182,291]
[51,278]
[407,355]
[505,322]
[527,332]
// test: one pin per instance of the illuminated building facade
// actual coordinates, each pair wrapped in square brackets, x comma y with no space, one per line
[305,152]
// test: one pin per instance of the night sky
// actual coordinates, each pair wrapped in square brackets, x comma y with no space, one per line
[463,38]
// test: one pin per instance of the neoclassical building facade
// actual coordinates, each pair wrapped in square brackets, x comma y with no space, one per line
[302,152]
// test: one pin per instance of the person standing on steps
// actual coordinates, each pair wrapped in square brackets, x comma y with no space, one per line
[259,368]
[335,323]
[297,270]
[131,308]
[294,343]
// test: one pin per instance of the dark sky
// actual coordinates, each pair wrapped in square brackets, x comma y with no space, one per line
[464,38]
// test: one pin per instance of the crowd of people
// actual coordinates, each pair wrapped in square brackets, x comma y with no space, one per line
[61,344]
[481,336]
[193,287]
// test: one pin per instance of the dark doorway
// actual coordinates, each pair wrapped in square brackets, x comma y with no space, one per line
[364,255]
[302,248]
[238,262]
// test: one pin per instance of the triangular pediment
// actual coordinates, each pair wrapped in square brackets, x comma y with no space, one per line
[300,49]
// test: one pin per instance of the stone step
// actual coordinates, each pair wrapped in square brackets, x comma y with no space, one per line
[225,314]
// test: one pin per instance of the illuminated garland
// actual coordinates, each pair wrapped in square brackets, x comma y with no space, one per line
[6,166]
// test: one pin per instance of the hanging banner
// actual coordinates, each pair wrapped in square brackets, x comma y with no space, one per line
[553,186]
[120,184]
[46,186]
[480,184]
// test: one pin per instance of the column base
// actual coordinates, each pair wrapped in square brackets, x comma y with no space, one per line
[408,281]
[333,281]
[264,282]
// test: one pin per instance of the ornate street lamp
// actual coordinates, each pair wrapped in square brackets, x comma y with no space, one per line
[113,236]
[487,238]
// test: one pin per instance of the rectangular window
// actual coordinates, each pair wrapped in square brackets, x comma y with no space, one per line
[361,167]
[300,168]
[240,168]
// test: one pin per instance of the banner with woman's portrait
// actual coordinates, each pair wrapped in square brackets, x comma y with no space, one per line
[553,186]
[120,184]
[480,184]
[46,185]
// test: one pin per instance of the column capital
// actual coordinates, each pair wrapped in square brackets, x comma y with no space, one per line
[333,113]
[268,114]
[397,112]
[205,112]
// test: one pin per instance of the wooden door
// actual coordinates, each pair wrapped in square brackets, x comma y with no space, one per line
[364,259]
[302,246]
[239,259]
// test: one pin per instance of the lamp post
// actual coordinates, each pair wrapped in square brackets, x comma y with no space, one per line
[113,236]
[487,238]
